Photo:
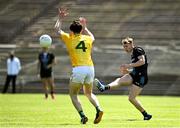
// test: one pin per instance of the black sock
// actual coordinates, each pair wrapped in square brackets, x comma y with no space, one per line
[107,87]
[144,113]
[81,113]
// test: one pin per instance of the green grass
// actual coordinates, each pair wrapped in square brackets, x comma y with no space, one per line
[32,111]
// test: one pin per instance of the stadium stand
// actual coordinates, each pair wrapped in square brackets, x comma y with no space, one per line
[153,24]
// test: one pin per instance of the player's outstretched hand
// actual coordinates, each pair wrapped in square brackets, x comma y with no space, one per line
[124,70]
[83,21]
[62,12]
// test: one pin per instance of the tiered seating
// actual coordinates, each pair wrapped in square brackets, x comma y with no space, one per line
[153,24]
[16,15]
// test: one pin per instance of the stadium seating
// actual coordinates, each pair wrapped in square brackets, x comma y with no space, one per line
[153,24]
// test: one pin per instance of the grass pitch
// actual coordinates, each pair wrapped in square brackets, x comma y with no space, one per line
[33,111]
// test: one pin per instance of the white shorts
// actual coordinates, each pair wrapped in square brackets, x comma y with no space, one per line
[82,74]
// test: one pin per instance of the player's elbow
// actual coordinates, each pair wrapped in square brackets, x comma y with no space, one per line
[55,62]
[93,38]
[141,62]
[56,30]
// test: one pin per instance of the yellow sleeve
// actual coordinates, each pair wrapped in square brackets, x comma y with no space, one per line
[64,36]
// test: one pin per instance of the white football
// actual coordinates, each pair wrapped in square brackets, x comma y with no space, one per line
[45,40]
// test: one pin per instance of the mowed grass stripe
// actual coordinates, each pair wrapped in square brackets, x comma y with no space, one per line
[32,110]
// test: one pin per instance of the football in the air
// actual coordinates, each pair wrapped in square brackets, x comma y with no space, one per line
[45,40]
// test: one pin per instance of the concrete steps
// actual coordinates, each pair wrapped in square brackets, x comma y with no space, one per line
[153,24]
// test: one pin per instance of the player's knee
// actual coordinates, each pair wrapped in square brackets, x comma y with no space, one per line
[73,97]
[72,94]
[131,99]
[88,95]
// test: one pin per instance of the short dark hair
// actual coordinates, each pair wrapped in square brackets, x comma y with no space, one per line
[75,27]
[127,40]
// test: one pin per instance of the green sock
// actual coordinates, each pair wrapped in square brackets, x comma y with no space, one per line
[81,113]
[98,109]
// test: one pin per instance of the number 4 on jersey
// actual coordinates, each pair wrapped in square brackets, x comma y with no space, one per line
[82,46]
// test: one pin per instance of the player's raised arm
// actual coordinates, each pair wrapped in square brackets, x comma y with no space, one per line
[86,31]
[62,12]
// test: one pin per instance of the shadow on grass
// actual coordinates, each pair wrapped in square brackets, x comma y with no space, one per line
[63,124]
[132,120]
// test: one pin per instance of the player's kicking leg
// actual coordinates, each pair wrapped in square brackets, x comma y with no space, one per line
[99,85]
[124,80]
